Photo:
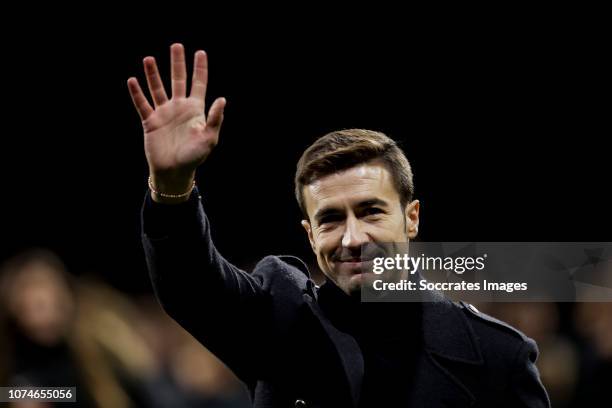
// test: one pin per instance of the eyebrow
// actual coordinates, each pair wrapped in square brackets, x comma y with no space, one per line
[363,204]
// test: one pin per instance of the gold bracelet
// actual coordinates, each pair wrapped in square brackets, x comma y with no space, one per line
[164,195]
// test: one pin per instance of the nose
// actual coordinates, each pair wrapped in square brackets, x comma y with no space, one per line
[354,236]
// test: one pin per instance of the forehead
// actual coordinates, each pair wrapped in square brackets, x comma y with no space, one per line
[351,186]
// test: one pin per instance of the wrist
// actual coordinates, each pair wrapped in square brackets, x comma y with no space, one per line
[171,190]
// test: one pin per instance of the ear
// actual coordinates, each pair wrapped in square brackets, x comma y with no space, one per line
[308,229]
[412,218]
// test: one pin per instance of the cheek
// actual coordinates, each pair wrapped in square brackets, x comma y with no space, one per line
[325,244]
[391,230]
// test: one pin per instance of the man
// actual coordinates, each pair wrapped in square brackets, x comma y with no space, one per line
[292,343]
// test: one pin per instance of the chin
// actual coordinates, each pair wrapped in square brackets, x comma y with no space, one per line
[353,286]
[355,292]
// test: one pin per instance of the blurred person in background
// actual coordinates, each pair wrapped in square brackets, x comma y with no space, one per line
[58,332]
[39,310]
[593,325]
[203,380]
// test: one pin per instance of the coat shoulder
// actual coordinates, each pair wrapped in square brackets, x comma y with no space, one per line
[489,324]
[282,271]
[511,357]
[285,278]
[499,341]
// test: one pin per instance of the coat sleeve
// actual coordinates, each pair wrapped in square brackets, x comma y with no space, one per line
[526,387]
[222,306]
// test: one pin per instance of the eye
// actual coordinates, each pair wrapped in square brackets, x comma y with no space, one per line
[372,211]
[329,219]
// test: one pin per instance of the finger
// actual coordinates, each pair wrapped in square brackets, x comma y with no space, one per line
[200,76]
[215,115]
[140,101]
[179,71]
[156,86]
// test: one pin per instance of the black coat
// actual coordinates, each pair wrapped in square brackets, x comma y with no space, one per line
[268,327]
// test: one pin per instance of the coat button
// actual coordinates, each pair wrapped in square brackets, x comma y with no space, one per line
[300,404]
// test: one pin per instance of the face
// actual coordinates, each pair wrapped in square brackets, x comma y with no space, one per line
[354,209]
[41,304]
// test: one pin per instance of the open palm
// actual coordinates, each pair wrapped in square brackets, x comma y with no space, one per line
[177,134]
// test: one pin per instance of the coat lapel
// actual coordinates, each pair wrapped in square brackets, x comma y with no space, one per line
[347,349]
[450,349]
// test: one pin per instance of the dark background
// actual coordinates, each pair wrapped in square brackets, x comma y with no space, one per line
[505,124]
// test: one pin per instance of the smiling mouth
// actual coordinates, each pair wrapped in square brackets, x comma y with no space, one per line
[355,260]
[360,264]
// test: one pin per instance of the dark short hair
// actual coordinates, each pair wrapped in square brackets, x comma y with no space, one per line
[343,149]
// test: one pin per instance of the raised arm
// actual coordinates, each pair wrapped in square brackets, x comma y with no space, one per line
[219,304]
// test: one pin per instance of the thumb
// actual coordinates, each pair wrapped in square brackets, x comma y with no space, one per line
[215,114]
